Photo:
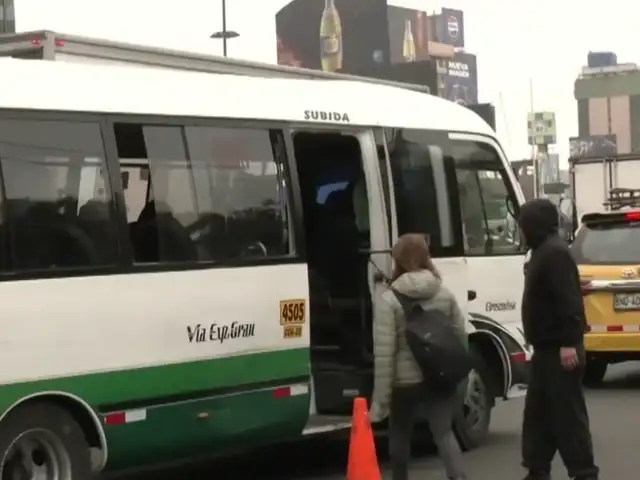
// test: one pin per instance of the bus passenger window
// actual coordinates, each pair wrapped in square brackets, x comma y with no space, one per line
[488,227]
[57,207]
[222,201]
[244,190]
[159,197]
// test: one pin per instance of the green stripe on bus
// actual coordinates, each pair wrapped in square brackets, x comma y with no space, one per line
[122,386]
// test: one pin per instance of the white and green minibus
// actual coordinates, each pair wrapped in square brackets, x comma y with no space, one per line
[189,262]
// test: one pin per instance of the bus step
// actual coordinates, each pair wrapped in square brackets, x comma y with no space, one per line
[326,423]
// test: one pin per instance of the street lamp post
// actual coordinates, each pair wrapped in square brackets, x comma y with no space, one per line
[224,34]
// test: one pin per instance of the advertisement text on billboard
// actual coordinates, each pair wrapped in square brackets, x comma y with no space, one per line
[459,78]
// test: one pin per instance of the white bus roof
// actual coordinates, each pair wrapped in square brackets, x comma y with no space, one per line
[49,45]
[61,86]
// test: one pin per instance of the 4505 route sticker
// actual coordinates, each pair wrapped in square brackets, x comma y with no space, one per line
[292,317]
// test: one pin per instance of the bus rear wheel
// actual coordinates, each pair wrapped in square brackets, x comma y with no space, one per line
[42,441]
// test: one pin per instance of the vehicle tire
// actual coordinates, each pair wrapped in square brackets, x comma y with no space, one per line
[42,440]
[471,423]
[594,372]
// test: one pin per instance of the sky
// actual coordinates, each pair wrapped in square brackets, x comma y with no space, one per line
[518,46]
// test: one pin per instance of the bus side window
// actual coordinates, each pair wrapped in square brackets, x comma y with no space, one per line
[55,212]
[424,185]
[245,189]
[202,193]
[160,199]
[483,184]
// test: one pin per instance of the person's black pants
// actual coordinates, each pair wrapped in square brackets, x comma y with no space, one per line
[556,419]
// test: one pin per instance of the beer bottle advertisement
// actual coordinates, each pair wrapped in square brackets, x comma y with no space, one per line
[410,32]
[333,35]
[408,43]
[330,38]
[411,36]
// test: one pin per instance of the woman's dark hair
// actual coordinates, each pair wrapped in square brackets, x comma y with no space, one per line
[411,254]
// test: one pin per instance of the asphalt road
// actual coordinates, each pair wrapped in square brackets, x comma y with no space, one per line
[614,410]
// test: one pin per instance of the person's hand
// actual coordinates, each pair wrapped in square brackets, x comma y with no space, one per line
[569,358]
[378,412]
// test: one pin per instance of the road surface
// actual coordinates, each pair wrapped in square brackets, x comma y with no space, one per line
[614,410]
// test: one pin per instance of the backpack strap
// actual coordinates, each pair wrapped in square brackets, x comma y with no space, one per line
[406,302]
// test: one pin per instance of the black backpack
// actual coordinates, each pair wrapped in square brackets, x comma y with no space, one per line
[441,354]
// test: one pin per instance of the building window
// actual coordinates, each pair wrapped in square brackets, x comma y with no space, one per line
[583,118]
[57,205]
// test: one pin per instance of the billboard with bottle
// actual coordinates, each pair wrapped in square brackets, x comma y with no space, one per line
[412,36]
[458,78]
[333,35]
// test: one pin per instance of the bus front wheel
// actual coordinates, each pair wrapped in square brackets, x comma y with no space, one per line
[42,440]
[471,424]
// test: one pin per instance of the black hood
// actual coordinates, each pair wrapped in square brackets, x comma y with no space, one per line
[538,220]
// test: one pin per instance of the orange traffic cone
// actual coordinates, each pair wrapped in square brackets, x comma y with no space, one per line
[363,462]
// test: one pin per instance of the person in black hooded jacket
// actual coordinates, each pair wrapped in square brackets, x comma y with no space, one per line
[555,413]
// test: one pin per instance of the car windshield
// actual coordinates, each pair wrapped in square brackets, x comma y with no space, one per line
[608,244]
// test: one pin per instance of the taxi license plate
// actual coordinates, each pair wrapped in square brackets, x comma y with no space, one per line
[626,301]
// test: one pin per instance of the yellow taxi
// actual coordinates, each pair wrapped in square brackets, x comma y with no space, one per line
[607,250]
